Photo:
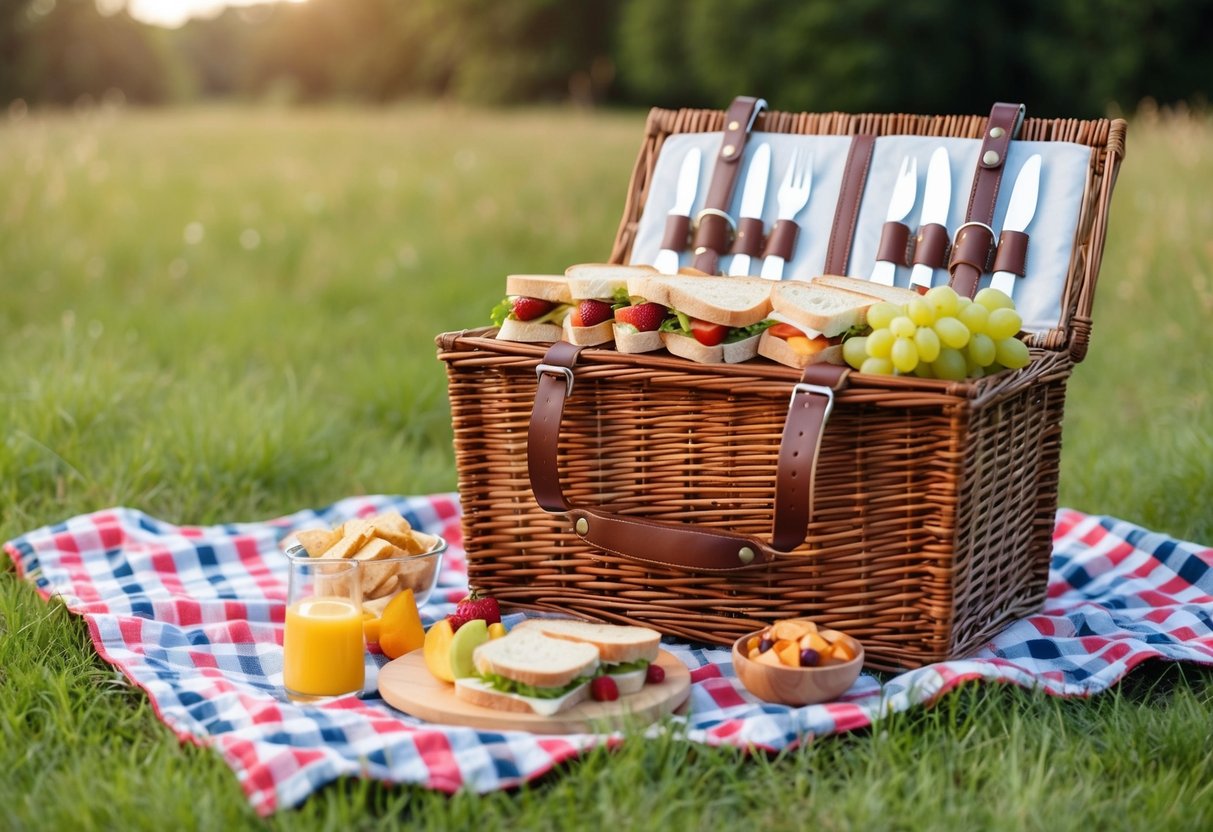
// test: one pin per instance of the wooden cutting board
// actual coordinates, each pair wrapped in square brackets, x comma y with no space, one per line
[406,684]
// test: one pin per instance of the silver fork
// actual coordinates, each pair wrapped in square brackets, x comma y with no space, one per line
[793,196]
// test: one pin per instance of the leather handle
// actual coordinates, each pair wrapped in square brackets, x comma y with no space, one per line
[683,545]
[846,213]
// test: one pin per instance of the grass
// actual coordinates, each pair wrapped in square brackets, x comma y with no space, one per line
[223,314]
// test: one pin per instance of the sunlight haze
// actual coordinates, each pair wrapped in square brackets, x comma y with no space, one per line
[177,12]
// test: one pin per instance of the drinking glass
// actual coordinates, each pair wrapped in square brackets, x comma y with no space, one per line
[323,648]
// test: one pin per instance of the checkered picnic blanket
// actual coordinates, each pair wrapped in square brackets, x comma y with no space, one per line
[194,616]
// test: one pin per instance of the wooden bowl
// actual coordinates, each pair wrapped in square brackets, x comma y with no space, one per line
[797,685]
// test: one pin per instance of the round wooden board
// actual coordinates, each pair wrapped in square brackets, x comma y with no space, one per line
[408,685]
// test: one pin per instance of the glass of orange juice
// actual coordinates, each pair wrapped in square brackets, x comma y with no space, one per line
[323,649]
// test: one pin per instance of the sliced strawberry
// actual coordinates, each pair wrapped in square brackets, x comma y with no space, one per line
[528,309]
[708,334]
[604,689]
[591,313]
[782,330]
[654,674]
[646,317]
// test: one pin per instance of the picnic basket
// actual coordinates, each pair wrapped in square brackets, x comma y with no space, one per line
[933,502]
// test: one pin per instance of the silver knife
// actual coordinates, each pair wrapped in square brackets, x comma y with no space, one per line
[1020,212]
[752,198]
[905,192]
[935,201]
[666,261]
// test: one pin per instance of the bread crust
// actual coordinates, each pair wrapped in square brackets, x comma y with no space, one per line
[529,331]
[553,287]
[588,336]
[634,342]
[612,640]
[493,657]
[893,294]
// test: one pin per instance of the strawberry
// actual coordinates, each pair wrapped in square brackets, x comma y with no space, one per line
[646,317]
[475,606]
[604,689]
[654,674]
[528,309]
[708,334]
[590,313]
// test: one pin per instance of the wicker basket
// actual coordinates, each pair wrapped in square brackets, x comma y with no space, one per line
[932,518]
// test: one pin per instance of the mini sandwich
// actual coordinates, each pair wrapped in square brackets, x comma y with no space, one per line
[812,319]
[714,319]
[638,323]
[597,290]
[526,671]
[623,652]
[534,308]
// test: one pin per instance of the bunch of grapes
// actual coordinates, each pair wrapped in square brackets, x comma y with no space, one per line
[941,335]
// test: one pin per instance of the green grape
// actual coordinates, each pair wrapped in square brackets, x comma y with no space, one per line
[944,300]
[928,344]
[921,312]
[950,365]
[877,367]
[902,327]
[981,349]
[904,354]
[854,351]
[974,371]
[881,314]
[1003,323]
[880,343]
[992,299]
[1011,353]
[923,370]
[974,316]
[961,303]
[952,332]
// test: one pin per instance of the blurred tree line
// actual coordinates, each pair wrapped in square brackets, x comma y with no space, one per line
[1062,57]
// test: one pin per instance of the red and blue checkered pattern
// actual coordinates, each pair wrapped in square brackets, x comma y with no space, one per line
[194,616]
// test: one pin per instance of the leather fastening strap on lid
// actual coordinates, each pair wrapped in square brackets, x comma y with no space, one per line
[713,229]
[854,175]
[967,262]
[812,401]
[543,435]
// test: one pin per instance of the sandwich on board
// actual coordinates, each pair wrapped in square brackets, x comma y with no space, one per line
[623,652]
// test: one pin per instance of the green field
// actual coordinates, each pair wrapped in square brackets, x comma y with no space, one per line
[226,314]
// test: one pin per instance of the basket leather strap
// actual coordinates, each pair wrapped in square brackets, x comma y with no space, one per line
[713,225]
[854,175]
[975,239]
[812,400]
[543,435]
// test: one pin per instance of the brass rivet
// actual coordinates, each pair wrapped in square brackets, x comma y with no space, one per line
[746,555]
[582,526]
[996,132]
[728,151]
[734,125]
[990,158]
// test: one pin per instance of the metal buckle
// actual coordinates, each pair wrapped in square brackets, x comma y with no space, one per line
[715,212]
[559,370]
[804,387]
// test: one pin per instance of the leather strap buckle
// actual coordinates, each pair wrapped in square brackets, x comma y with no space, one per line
[556,369]
[729,221]
[820,389]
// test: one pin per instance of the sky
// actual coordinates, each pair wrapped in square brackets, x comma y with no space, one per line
[177,12]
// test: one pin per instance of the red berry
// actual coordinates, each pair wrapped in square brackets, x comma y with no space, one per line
[655,675]
[528,309]
[646,317]
[708,334]
[591,313]
[475,606]
[604,689]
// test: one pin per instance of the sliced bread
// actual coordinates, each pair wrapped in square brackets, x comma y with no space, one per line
[532,658]
[615,642]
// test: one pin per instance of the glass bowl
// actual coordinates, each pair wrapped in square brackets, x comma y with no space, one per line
[385,578]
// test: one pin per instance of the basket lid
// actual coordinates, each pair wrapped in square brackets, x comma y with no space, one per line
[1081,159]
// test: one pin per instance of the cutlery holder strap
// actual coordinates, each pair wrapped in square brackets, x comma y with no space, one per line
[1012,253]
[684,545]
[677,232]
[971,252]
[931,246]
[1001,127]
[782,242]
[854,175]
[712,227]
[749,237]
[894,243]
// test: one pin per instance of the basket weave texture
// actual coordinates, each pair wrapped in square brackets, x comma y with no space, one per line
[931,524]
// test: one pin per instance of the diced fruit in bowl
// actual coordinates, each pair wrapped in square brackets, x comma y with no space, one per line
[794,662]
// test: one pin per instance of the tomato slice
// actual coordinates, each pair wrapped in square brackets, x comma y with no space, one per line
[708,334]
[782,330]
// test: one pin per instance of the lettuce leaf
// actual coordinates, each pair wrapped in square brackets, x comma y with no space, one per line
[505,685]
